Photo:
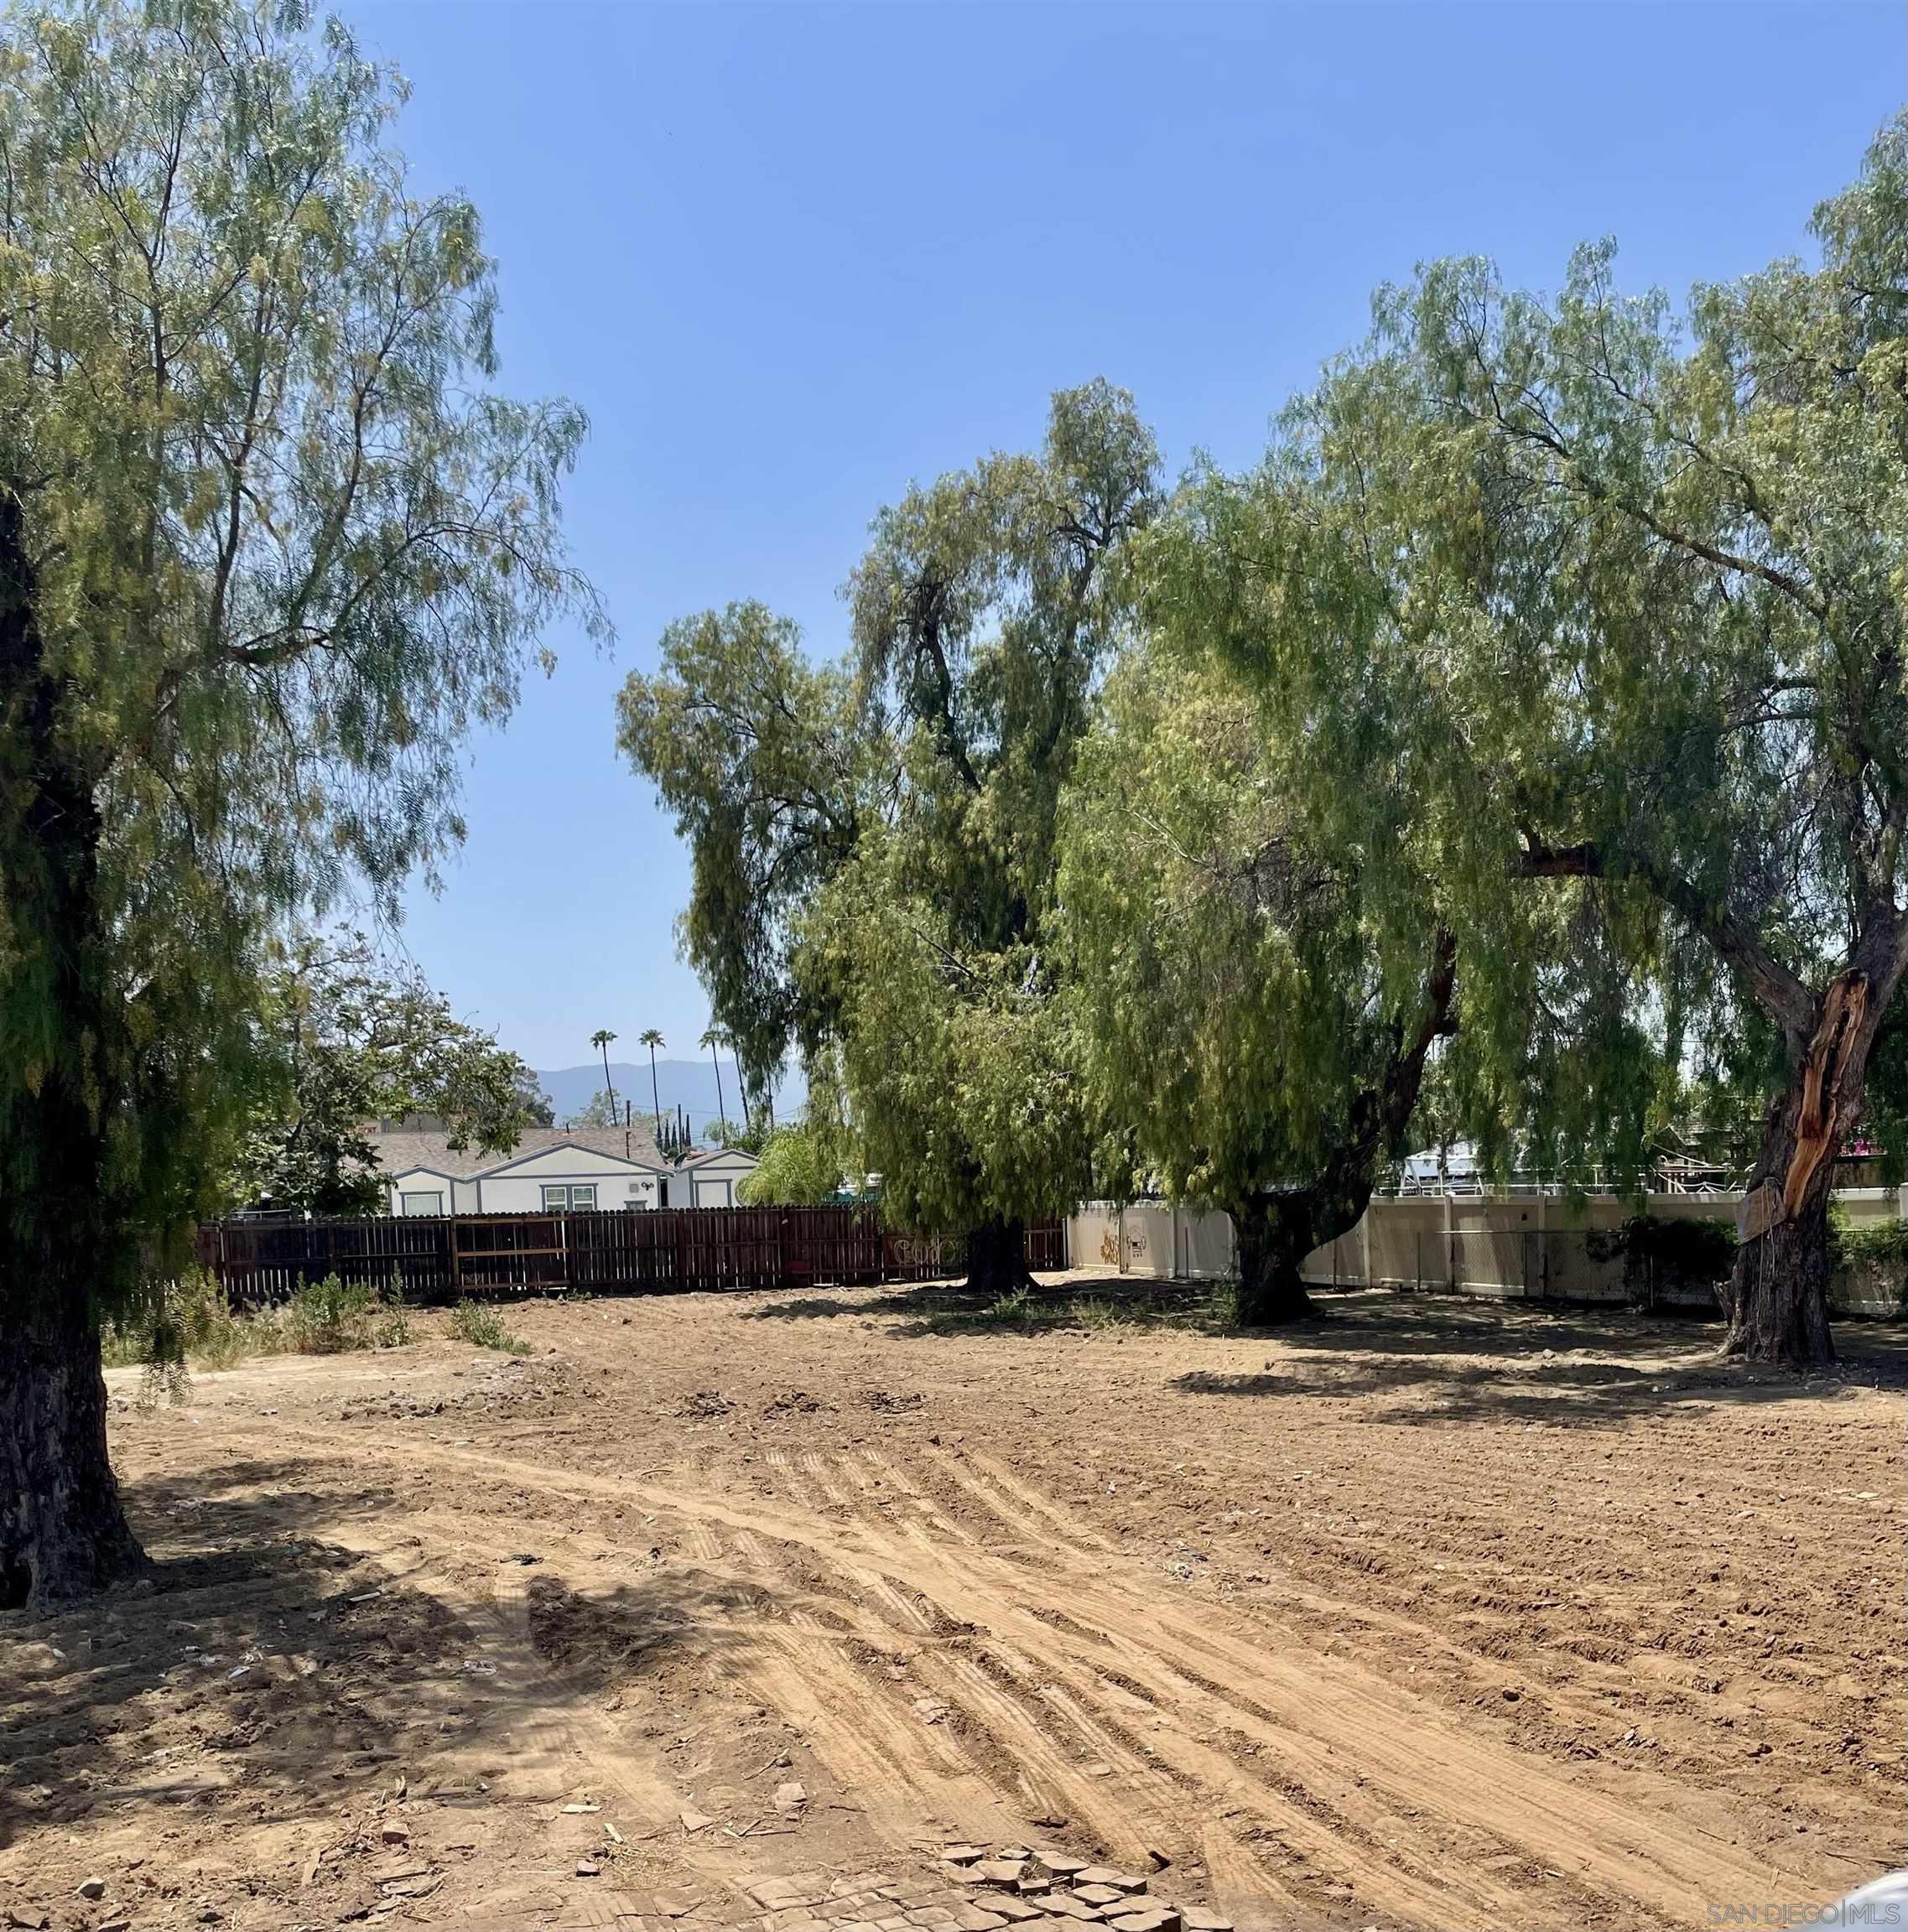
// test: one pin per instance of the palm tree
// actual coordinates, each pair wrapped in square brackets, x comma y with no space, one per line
[600,1039]
[712,1039]
[652,1038]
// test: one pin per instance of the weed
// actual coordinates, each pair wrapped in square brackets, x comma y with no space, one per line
[1224,1301]
[330,1317]
[483,1328]
[1015,1306]
[187,1320]
[394,1330]
[1092,1311]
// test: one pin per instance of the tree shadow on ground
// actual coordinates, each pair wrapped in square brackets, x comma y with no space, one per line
[264,1670]
[1060,1302]
[1452,1359]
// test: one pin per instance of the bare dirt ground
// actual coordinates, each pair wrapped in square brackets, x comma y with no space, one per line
[1431,1614]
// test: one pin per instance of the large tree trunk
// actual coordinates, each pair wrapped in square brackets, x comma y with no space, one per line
[1778,1303]
[1274,1232]
[62,1230]
[1271,1237]
[62,1531]
[996,1258]
[1779,1289]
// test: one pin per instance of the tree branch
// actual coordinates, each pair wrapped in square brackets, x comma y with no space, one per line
[1787,998]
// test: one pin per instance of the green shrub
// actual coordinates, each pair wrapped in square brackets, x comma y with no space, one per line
[394,1330]
[1874,1252]
[181,1322]
[483,1328]
[1667,1253]
[188,1319]
[1224,1301]
[330,1317]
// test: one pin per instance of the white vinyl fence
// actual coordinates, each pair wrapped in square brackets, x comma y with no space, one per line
[1523,1246]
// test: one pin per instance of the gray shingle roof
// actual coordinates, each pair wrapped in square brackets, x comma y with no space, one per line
[400,1151]
[705,1154]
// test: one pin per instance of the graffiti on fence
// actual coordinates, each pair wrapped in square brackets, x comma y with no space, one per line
[924,1254]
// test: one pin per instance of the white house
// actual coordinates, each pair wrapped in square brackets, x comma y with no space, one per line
[553,1170]
[713,1175]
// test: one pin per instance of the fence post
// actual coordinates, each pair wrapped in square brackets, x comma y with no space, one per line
[1544,1246]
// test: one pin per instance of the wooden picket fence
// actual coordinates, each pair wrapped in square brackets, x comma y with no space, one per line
[438,1258]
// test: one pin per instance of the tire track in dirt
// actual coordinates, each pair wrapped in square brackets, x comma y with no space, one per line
[811,1678]
[1391,1756]
[926,1509]
[1175,1689]
[896,1779]
[1581,1706]
[1067,1529]
[1482,1785]
[1013,1712]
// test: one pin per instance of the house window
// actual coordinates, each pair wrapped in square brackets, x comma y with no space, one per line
[572,1197]
[421,1203]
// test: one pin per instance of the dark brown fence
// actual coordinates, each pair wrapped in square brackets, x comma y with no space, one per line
[437,1257]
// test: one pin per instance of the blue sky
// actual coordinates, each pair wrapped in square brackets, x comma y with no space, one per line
[789,258]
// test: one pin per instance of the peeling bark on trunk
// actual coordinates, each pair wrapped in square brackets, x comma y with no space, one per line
[1779,1289]
[996,1258]
[1778,1304]
[62,1530]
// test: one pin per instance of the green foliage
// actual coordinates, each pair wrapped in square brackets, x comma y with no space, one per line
[483,1327]
[276,544]
[1603,612]
[602,1110]
[874,851]
[958,1060]
[983,612]
[1888,1103]
[1875,1253]
[761,760]
[1232,997]
[801,1166]
[331,1318]
[188,1322]
[393,1329]
[355,1040]
[1668,1253]
[1227,1304]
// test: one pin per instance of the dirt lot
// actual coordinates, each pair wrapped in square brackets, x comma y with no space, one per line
[1432,1614]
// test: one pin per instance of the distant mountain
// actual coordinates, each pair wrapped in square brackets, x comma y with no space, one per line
[689,1084]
